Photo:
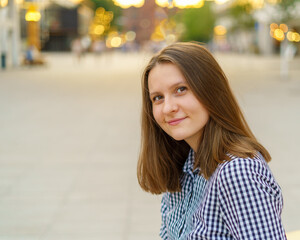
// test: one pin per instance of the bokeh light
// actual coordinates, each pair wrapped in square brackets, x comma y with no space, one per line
[293,36]
[129,3]
[3,3]
[130,36]
[221,1]
[220,30]
[32,14]
[279,34]
[162,3]
[283,27]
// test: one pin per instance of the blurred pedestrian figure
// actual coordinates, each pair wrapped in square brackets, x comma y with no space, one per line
[98,47]
[76,48]
[33,56]
[287,53]
[198,150]
[86,43]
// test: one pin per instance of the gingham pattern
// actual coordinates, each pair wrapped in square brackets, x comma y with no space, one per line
[240,201]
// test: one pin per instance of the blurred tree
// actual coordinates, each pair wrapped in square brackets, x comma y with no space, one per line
[198,23]
[286,7]
[242,18]
[108,5]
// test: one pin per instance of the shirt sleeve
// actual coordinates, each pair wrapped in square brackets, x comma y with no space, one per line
[250,200]
[163,229]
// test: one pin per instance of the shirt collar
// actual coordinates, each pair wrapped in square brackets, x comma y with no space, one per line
[189,163]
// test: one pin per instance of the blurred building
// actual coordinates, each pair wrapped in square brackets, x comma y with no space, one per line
[63,23]
[140,20]
[9,34]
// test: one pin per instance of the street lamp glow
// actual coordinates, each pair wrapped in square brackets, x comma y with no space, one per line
[188,3]
[116,41]
[130,36]
[3,3]
[99,29]
[221,1]
[180,3]
[162,3]
[257,3]
[76,1]
[283,27]
[273,26]
[129,3]
[279,34]
[293,36]
[274,1]
[220,30]
[32,14]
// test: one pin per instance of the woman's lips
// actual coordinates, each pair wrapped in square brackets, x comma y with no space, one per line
[175,121]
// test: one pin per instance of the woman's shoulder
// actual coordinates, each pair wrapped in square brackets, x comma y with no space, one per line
[244,165]
[252,171]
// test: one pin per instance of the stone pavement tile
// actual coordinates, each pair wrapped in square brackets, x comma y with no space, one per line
[18,237]
[84,236]
[26,218]
[141,236]
[89,219]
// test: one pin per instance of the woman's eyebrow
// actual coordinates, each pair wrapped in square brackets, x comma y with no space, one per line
[172,86]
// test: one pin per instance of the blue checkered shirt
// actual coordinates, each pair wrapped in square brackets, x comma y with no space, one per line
[241,200]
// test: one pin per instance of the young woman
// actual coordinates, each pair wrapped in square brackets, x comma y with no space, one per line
[198,150]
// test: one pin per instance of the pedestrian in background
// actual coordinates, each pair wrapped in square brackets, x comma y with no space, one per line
[198,150]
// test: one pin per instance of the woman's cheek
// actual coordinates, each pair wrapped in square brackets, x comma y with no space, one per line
[156,115]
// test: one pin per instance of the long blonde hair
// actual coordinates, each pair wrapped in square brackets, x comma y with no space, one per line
[161,157]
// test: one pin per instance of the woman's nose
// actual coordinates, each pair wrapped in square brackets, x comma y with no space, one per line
[170,105]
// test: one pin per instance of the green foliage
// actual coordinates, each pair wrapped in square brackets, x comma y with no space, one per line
[286,6]
[198,22]
[242,17]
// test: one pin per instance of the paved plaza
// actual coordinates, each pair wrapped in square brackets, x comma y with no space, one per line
[70,134]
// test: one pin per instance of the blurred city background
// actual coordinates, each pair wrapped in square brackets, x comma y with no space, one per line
[70,102]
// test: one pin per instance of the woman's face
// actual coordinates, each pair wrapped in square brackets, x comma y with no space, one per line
[175,108]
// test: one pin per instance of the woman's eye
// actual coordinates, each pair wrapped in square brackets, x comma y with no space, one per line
[156,98]
[181,89]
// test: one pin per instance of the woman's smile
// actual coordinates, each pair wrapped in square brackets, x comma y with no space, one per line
[175,121]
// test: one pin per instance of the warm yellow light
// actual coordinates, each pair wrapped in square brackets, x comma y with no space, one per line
[283,27]
[116,42]
[129,3]
[158,34]
[19,1]
[297,37]
[171,38]
[188,3]
[76,1]
[279,34]
[32,14]
[181,3]
[108,16]
[220,30]
[3,3]
[274,1]
[99,29]
[100,11]
[293,36]
[162,3]
[273,26]
[221,1]
[130,36]
[257,3]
